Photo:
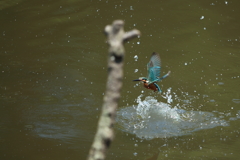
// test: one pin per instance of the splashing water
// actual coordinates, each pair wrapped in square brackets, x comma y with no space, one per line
[152,119]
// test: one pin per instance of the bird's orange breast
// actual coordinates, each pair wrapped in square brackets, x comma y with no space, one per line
[150,86]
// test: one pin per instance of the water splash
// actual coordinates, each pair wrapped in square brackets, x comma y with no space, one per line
[152,119]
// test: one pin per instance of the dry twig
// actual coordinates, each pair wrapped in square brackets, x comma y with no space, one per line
[105,133]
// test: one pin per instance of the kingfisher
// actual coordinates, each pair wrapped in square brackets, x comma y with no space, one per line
[154,69]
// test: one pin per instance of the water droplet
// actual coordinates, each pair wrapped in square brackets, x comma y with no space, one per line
[212,100]
[202,17]
[136,57]
[220,83]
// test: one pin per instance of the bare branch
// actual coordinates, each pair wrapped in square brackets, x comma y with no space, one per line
[105,132]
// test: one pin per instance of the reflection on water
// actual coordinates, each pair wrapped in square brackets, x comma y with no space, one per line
[54,117]
[152,119]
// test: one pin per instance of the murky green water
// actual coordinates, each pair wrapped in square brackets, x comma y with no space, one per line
[53,57]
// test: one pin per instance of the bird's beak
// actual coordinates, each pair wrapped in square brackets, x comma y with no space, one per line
[136,80]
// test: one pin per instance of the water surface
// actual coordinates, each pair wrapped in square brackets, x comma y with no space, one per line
[53,57]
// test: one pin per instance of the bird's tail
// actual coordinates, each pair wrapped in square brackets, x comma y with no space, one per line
[166,75]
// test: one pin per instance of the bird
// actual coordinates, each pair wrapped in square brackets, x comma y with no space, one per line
[154,69]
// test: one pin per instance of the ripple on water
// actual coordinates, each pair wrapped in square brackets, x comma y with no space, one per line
[48,99]
[236,100]
[152,119]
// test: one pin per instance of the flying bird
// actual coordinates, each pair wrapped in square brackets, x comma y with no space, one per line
[154,69]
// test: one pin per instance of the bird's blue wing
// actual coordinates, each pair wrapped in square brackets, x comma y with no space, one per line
[154,68]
